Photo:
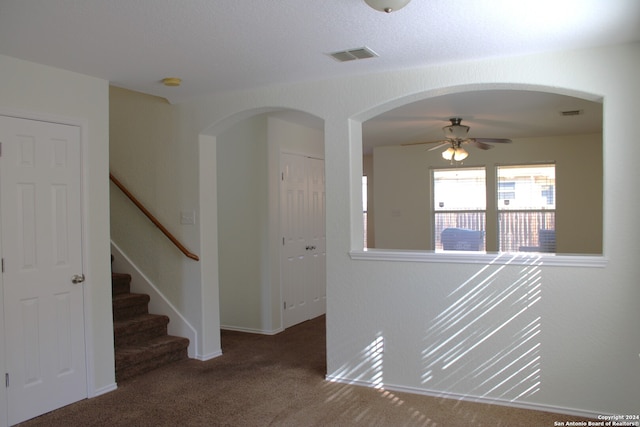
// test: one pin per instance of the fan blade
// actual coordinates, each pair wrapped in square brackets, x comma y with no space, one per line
[478,144]
[493,140]
[406,144]
[443,143]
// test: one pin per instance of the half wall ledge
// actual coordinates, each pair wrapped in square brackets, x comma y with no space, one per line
[463,257]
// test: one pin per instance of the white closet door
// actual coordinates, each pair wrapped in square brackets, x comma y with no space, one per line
[317,291]
[42,254]
[302,199]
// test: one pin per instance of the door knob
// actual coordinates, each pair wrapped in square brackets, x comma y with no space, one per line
[77,278]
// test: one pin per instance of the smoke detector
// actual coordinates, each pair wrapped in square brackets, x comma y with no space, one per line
[171,81]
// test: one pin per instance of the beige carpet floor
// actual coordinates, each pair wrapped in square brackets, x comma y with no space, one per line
[274,381]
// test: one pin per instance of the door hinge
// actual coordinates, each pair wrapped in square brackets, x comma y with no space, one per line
[282,245]
[282,176]
[284,305]
[6,380]
[3,265]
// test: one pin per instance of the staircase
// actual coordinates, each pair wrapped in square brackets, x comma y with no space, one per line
[141,340]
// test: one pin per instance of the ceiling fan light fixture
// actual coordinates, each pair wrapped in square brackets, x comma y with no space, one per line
[448,153]
[460,154]
[456,130]
[387,6]
[456,135]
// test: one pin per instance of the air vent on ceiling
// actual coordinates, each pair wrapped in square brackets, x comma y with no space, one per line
[353,54]
[571,112]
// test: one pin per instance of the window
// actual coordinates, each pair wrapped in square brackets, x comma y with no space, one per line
[459,208]
[526,208]
[526,204]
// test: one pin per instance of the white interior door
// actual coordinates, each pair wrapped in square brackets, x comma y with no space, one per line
[317,290]
[41,218]
[303,270]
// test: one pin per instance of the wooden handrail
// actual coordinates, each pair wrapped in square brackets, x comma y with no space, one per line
[153,218]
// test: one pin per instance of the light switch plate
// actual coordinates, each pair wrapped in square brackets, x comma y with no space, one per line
[188,218]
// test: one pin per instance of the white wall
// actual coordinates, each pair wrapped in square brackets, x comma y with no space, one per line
[586,353]
[243,224]
[402,190]
[34,91]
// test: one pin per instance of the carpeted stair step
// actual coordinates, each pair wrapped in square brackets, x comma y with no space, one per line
[139,329]
[120,283]
[141,340]
[135,359]
[126,306]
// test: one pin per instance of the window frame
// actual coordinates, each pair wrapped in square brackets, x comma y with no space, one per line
[497,199]
[435,212]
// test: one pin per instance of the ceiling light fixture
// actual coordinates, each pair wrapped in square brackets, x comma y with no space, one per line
[387,5]
[171,81]
[455,137]
[455,133]
[455,152]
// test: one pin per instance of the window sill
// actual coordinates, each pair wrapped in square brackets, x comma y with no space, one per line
[454,257]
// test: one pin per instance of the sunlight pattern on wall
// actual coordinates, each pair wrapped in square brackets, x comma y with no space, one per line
[369,367]
[465,350]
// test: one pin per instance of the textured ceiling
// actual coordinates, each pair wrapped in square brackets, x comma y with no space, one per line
[224,45]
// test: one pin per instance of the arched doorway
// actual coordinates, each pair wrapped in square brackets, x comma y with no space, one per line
[241,209]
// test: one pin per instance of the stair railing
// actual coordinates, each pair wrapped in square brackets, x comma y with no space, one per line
[153,219]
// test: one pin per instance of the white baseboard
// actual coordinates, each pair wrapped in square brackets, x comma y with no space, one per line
[178,324]
[251,330]
[467,398]
[204,358]
[104,390]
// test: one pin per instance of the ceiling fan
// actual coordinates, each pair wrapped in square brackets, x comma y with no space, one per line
[456,136]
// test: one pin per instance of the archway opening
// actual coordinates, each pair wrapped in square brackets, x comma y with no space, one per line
[402,147]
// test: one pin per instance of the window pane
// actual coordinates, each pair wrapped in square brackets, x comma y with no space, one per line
[459,201]
[527,187]
[459,231]
[364,194]
[459,189]
[526,208]
[522,231]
